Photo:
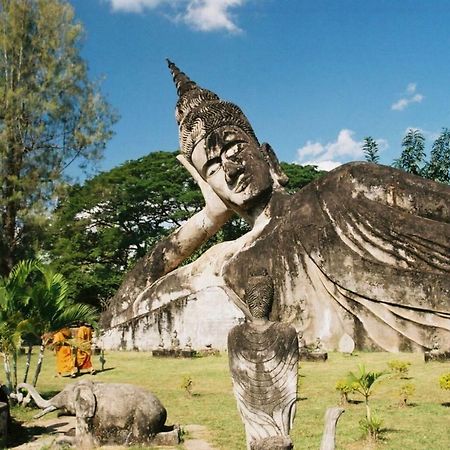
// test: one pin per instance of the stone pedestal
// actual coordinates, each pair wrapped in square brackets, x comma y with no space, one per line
[174,353]
[4,416]
[313,356]
[436,356]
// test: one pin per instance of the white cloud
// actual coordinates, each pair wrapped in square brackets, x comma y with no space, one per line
[333,154]
[411,97]
[202,15]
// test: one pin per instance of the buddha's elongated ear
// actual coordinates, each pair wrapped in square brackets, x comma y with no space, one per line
[279,177]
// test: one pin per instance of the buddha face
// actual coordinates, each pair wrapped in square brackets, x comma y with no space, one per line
[230,161]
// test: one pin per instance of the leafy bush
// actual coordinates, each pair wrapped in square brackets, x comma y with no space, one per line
[406,391]
[344,388]
[372,427]
[399,367]
[187,384]
[444,381]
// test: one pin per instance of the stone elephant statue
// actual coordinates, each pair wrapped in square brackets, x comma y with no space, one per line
[106,412]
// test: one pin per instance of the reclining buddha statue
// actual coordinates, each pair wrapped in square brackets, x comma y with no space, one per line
[362,253]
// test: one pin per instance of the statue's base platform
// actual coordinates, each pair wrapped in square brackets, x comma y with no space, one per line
[436,356]
[313,356]
[174,353]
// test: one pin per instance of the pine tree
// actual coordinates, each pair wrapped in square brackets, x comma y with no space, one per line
[413,152]
[50,115]
[370,149]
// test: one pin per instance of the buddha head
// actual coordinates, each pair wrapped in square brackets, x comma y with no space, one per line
[218,140]
[259,296]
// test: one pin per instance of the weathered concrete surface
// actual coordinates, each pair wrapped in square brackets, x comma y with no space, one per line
[203,318]
[362,252]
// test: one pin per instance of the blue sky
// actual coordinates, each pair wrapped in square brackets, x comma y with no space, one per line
[314,77]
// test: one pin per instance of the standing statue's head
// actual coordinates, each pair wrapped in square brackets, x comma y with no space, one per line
[259,296]
[218,140]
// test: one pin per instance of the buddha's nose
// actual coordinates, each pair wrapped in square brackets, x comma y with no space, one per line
[232,170]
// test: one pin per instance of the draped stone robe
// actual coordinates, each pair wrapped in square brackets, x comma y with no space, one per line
[263,362]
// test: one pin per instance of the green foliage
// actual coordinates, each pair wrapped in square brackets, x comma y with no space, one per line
[344,388]
[405,392]
[444,381]
[187,384]
[413,153]
[399,367]
[438,169]
[50,116]
[34,300]
[364,381]
[299,176]
[370,149]
[372,428]
[101,228]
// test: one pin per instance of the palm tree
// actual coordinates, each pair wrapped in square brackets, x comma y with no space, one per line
[52,309]
[370,149]
[34,300]
[14,302]
[363,383]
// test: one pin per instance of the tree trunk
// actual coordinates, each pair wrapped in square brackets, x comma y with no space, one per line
[28,363]
[14,370]
[329,433]
[39,363]
[7,367]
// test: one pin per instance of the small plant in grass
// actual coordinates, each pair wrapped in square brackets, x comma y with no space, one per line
[372,427]
[444,381]
[400,368]
[363,383]
[344,389]
[187,384]
[406,391]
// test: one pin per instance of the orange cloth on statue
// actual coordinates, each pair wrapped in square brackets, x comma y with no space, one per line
[84,337]
[64,356]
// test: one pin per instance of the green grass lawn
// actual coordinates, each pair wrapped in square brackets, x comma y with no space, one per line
[424,425]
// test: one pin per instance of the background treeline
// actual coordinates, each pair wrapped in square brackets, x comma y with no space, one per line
[53,116]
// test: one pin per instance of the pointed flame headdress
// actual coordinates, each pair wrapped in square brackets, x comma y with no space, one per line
[200,111]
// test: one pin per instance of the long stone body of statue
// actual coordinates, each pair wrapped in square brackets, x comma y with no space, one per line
[263,358]
[363,253]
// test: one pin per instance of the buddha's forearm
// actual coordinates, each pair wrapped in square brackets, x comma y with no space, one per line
[182,243]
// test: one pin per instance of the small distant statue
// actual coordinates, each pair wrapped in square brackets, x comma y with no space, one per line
[301,341]
[435,347]
[175,342]
[189,343]
[161,343]
[317,345]
[263,359]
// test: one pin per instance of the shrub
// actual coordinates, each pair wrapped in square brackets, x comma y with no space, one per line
[406,391]
[372,428]
[187,384]
[344,388]
[444,381]
[398,367]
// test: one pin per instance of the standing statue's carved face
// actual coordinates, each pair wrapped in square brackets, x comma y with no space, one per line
[230,161]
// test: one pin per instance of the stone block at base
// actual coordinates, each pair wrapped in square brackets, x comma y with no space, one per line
[313,356]
[171,437]
[436,356]
[172,353]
